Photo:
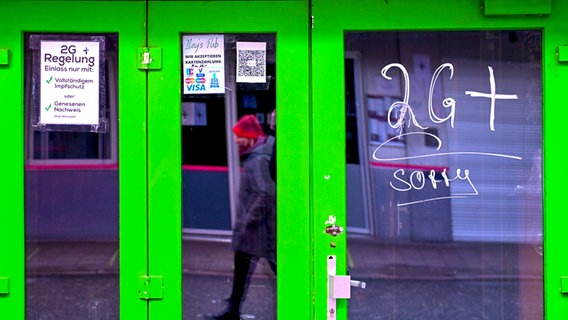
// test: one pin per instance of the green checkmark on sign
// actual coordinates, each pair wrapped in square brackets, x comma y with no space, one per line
[48,81]
[48,107]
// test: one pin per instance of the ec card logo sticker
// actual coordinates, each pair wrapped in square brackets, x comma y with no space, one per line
[69,82]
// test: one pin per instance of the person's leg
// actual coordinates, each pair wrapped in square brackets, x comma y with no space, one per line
[244,265]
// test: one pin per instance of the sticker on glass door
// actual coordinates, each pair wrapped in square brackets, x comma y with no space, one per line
[229,208]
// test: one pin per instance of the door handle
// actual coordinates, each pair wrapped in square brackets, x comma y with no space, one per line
[339,287]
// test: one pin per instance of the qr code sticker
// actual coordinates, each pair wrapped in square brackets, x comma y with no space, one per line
[251,63]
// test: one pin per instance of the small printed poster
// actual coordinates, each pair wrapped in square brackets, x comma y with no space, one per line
[69,82]
[203,64]
[251,62]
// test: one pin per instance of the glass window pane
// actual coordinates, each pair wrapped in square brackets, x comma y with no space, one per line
[452,129]
[234,77]
[71,209]
[57,78]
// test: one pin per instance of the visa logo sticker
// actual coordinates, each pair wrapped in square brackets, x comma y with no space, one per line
[195,87]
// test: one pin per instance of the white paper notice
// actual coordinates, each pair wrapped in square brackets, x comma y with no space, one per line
[251,62]
[203,64]
[69,83]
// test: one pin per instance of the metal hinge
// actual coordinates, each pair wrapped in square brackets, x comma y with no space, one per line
[151,288]
[4,57]
[564,284]
[562,52]
[4,285]
[149,58]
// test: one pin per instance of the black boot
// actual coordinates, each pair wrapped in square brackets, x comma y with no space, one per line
[232,312]
[227,316]
[244,266]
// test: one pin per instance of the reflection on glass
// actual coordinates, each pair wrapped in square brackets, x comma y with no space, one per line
[232,78]
[71,186]
[450,126]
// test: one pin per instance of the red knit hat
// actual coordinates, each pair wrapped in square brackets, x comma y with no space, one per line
[248,127]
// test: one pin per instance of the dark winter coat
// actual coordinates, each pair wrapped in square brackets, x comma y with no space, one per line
[254,231]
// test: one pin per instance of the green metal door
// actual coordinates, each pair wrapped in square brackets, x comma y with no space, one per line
[68,70]
[195,96]
[431,177]
[97,221]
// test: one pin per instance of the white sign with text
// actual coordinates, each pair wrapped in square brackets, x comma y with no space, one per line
[203,64]
[70,82]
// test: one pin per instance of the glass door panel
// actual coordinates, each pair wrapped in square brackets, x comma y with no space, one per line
[71,175]
[452,126]
[213,74]
[70,98]
[441,117]
[211,163]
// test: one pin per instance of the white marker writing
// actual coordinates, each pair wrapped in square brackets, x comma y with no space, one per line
[493,96]
[417,179]
[447,103]
[377,158]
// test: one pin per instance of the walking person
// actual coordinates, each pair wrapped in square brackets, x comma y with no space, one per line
[254,231]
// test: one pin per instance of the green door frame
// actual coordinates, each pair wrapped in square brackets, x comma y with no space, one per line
[65,17]
[288,20]
[333,17]
[322,169]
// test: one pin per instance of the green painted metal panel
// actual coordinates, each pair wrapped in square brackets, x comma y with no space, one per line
[12,184]
[288,19]
[76,17]
[328,164]
[331,19]
[12,233]
[520,7]
[555,75]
